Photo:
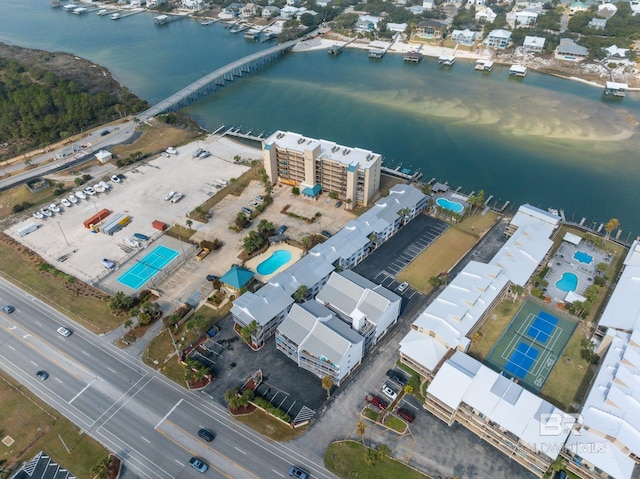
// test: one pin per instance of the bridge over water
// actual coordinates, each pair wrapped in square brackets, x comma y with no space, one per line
[217,80]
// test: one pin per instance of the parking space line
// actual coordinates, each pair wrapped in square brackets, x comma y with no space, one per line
[281,475]
[182,465]
[239,450]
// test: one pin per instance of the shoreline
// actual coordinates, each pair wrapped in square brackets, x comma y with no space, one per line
[431,51]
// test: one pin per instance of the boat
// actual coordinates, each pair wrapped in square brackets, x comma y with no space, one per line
[38,215]
[141,237]
[204,23]
[115,16]
[105,185]
[73,199]
[103,12]
[69,7]
[53,207]
[80,195]
[80,10]
[131,242]
[98,188]
[46,212]
[447,60]
[65,202]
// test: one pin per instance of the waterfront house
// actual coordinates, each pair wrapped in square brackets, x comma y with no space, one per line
[192,4]
[607,10]
[569,50]
[525,18]
[614,52]
[233,9]
[577,7]
[430,30]
[499,39]
[416,9]
[463,37]
[396,27]
[597,23]
[248,11]
[485,15]
[364,26]
[290,11]
[270,11]
[533,44]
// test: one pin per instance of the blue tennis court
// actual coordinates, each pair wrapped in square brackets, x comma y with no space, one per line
[147,267]
[521,359]
[542,327]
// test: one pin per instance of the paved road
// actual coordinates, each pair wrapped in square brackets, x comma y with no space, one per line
[122,133]
[141,416]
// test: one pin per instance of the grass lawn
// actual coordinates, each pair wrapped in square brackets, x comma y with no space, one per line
[493,327]
[396,424]
[35,427]
[371,414]
[446,251]
[156,139]
[271,427]
[21,194]
[571,376]
[161,352]
[91,312]
[348,459]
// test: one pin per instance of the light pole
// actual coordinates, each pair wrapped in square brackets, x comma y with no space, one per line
[63,235]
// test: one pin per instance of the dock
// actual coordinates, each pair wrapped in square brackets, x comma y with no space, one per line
[337,49]
[519,71]
[238,133]
[208,21]
[378,53]
[616,89]
[240,28]
[484,65]
[405,173]
[412,57]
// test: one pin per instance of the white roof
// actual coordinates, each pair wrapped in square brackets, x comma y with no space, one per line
[571,238]
[358,157]
[500,34]
[424,350]
[455,311]
[537,41]
[599,452]
[623,309]
[528,214]
[526,13]
[102,154]
[612,407]
[518,68]
[462,379]
[616,86]
[572,297]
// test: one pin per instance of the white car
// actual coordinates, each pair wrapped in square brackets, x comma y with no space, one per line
[90,191]
[65,202]
[177,197]
[390,393]
[115,178]
[169,195]
[64,332]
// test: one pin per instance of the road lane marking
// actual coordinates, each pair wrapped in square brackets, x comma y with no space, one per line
[281,475]
[12,348]
[38,323]
[182,465]
[34,363]
[59,380]
[145,439]
[113,371]
[81,391]
[239,450]
[85,353]
[168,414]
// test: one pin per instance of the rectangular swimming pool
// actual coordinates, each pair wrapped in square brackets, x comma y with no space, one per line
[147,267]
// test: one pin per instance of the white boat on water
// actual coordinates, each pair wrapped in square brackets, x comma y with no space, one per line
[115,16]
[103,11]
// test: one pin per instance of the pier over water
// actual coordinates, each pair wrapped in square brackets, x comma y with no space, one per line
[217,80]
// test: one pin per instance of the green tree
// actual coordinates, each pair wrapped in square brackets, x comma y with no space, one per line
[265,228]
[295,190]
[516,291]
[301,293]
[121,302]
[146,313]
[247,331]
[101,470]
[241,220]
[612,225]
[252,242]
[327,384]
[307,243]
[189,222]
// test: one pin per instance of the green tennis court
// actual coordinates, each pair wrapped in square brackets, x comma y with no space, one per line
[531,345]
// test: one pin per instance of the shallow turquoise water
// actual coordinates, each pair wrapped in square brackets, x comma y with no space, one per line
[568,282]
[450,205]
[277,259]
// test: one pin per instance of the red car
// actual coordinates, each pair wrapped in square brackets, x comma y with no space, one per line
[406,414]
[376,401]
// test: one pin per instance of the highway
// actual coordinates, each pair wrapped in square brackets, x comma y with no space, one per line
[144,418]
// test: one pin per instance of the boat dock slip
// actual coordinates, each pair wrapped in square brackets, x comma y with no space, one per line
[166,19]
[447,60]
[615,89]
[518,71]
[337,49]
[376,53]
[412,57]
[124,13]
[484,65]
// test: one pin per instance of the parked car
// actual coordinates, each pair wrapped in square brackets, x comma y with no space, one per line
[397,377]
[338,204]
[42,375]
[212,277]
[104,132]
[198,464]
[402,287]
[165,154]
[65,202]
[390,393]
[282,229]
[90,191]
[62,331]
[169,195]
[177,197]
[406,414]
[246,210]
[326,234]
[260,199]
[204,154]
[206,434]
[8,309]
[376,401]
[295,471]
[107,263]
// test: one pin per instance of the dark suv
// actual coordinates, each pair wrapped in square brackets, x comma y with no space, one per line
[206,434]
[397,377]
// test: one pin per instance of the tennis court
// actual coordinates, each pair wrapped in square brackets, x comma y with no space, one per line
[147,267]
[531,345]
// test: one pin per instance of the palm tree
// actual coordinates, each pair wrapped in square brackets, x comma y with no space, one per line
[101,469]
[516,290]
[189,223]
[327,384]
[611,226]
[383,452]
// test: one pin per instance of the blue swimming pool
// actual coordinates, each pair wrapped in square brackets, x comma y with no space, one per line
[450,205]
[147,267]
[568,282]
[277,259]
[583,257]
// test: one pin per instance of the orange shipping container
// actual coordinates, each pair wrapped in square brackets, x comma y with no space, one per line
[97,218]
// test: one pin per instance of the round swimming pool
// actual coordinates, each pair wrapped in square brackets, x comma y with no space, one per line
[450,205]
[277,259]
[568,282]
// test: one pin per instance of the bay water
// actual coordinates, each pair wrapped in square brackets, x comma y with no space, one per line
[543,140]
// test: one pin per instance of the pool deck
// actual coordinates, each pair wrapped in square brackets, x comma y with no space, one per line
[563,261]
[252,264]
